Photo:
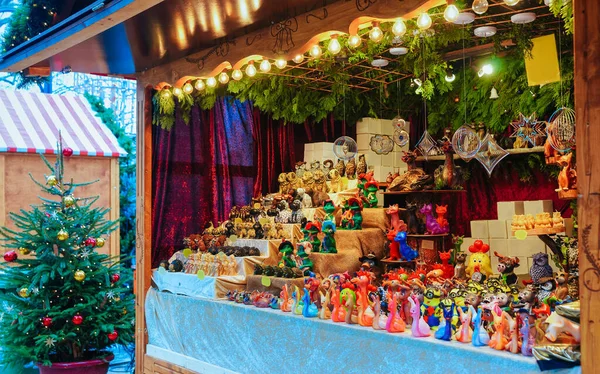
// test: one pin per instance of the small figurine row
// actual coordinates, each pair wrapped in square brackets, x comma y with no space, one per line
[212,265]
[196,242]
[277,271]
[541,221]
[249,230]
[350,169]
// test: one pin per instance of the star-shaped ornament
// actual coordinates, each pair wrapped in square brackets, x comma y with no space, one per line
[426,144]
[35,290]
[527,128]
[50,342]
[490,154]
[110,295]
[9,308]
[85,254]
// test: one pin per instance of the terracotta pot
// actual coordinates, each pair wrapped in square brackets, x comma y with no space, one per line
[97,366]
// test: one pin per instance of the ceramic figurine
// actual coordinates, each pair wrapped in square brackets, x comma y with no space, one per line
[320,182]
[361,167]
[413,221]
[498,340]
[338,313]
[285,213]
[526,299]
[335,181]
[314,229]
[286,301]
[325,312]
[258,230]
[430,307]
[308,181]
[329,208]
[557,221]
[407,253]
[395,221]
[351,169]
[394,322]
[465,334]
[479,261]
[329,239]
[480,334]
[315,165]
[377,315]
[558,324]
[297,215]
[304,249]
[304,198]
[309,309]
[433,227]
[420,328]
[341,168]
[567,178]
[356,209]
[513,344]
[297,305]
[562,290]
[280,231]
[360,184]
[394,246]
[363,284]
[283,183]
[348,301]
[506,267]
[441,211]
[459,266]
[371,189]
[527,338]
[390,178]
[445,266]
[444,332]
[287,249]
[300,168]
[327,166]
[540,268]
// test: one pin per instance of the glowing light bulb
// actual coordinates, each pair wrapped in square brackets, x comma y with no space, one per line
[237,74]
[200,85]
[424,21]
[450,77]
[480,6]
[223,78]
[376,34]
[399,27]
[251,69]
[265,66]
[334,45]
[280,63]
[188,88]
[315,51]
[451,13]
[298,58]
[166,93]
[177,91]
[354,41]
[511,2]
[487,69]
[211,82]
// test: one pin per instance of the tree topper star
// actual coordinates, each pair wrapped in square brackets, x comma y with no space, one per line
[50,342]
[527,128]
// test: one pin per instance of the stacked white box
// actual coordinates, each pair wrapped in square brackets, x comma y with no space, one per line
[507,209]
[372,158]
[479,229]
[363,141]
[497,229]
[538,206]
[527,247]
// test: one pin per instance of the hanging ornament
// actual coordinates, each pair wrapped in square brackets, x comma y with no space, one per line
[100,242]
[90,242]
[381,144]
[50,342]
[353,41]
[345,148]
[494,93]
[124,311]
[113,336]
[425,144]
[399,123]
[334,46]
[526,128]
[67,152]
[115,278]
[251,69]
[399,28]
[401,137]
[46,321]
[79,275]
[62,235]
[480,6]
[68,200]
[490,154]
[376,35]
[237,75]
[51,180]
[10,256]
[24,292]
[424,21]
[451,12]
[561,129]
[511,2]
[466,142]
[24,251]
[188,88]
[77,319]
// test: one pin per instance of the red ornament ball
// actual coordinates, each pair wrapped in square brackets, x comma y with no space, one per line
[115,278]
[46,321]
[67,152]
[10,256]
[77,320]
[113,336]
[90,242]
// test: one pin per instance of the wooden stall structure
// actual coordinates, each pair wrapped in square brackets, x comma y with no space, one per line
[30,123]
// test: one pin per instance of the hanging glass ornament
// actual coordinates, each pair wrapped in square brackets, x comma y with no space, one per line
[526,128]
[401,137]
[381,144]
[399,122]
[490,154]
[466,142]
[561,130]
[345,148]
[480,6]
[425,144]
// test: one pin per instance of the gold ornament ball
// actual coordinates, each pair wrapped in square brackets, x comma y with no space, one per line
[100,242]
[69,200]
[124,311]
[24,292]
[62,235]
[79,275]
[51,180]
[24,251]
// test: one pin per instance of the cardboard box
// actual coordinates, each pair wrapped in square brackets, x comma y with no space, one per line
[538,206]
[508,223]
[308,156]
[497,229]
[528,247]
[507,209]
[372,158]
[363,141]
[362,126]
[479,229]
[388,160]
[309,147]
[523,267]
[498,245]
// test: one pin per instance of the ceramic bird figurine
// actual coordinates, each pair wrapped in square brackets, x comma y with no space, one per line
[341,168]
[351,169]
[540,268]
[361,168]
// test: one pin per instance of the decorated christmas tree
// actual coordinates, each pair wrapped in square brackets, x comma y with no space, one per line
[66,302]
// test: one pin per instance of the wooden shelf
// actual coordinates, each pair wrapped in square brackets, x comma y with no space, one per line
[421,192]
[399,262]
[515,151]
[542,231]
[426,235]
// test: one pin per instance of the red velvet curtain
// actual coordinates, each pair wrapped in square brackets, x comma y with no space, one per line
[200,171]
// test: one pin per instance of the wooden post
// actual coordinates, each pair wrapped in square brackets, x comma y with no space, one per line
[587,109]
[144,220]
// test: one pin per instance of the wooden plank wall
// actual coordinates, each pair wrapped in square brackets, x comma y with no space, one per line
[155,366]
[587,108]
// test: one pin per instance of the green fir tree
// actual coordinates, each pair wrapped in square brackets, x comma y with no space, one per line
[68,302]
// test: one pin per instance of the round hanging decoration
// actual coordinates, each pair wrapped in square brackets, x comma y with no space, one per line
[522,18]
[345,148]
[466,142]
[381,144]
[398,51]
[485,31]
[401,137]
[561,129]
[380,63]
[465,18]
[399,122]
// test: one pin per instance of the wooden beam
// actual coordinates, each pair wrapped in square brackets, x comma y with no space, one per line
[587,107]
[285,39]
[143,240]
[115,193]
[105,18]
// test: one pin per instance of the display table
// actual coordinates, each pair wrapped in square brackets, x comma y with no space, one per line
[203,334]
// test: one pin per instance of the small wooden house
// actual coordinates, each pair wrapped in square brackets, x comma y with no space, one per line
[29,125]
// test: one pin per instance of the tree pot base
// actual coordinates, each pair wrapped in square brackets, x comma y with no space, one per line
[97,366]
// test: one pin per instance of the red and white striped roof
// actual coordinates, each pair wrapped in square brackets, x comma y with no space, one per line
[30,122]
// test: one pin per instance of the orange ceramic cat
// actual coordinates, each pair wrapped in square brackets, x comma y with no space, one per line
[441,211]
